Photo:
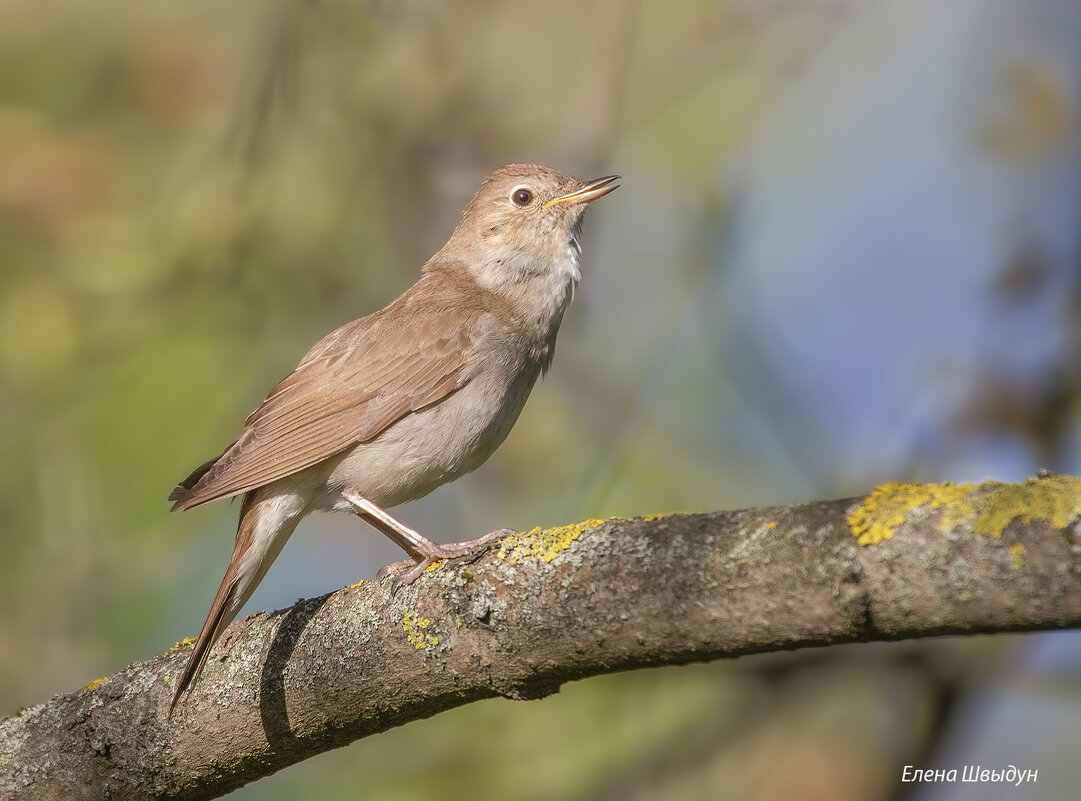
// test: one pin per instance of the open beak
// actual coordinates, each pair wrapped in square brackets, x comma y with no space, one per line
[587,193]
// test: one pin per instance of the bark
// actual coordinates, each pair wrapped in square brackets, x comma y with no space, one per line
[541,608]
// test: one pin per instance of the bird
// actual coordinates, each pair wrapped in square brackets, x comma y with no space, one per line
[388,407]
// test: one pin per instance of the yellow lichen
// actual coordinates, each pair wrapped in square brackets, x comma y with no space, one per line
[544,544]
[985,509]
[884,510]
[414,628]
[97,683]
[772,524]
[1017,556]
[651,518]
[354,586]
[182,643]
[434,566]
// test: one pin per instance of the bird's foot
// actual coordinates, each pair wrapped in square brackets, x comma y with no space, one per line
[427,553]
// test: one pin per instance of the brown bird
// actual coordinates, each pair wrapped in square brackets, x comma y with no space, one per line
[388,407]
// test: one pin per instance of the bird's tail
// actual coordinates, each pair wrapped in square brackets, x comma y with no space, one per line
[259,540]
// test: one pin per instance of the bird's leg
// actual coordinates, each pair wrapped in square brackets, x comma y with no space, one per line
[422,549]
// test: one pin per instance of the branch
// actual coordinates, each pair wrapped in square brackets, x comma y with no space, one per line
[545,607]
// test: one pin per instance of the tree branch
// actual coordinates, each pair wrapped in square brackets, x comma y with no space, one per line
[545,607]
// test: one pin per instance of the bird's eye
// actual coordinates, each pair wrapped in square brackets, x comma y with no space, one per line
[522,197]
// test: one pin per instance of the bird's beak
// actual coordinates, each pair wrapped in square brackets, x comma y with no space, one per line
[588,192]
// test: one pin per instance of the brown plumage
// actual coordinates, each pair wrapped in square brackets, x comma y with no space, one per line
[353,384]
[390,406]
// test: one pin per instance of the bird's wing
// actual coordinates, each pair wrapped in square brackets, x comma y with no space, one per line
[351,386]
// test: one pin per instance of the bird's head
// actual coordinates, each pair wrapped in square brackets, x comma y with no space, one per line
[521,228]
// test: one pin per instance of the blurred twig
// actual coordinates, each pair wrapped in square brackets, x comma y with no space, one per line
[275,83]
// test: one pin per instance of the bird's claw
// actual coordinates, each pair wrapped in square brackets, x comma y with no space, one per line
[414,568]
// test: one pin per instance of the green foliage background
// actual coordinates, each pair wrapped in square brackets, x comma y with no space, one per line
[192,193]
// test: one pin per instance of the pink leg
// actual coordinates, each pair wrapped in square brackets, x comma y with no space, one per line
[422,550]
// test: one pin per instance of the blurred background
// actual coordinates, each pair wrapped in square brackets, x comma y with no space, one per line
[847,249]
